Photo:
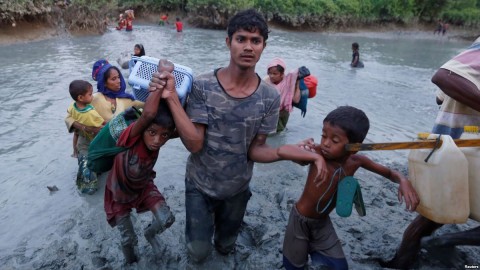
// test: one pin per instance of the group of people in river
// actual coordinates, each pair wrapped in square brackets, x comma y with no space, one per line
[164,21]
[125,20]
[441,28]
[225,123]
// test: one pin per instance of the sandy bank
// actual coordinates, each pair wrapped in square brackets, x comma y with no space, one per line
[26,32]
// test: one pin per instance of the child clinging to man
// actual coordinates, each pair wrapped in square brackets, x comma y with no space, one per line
[130,181]
[309,229]
[84,113]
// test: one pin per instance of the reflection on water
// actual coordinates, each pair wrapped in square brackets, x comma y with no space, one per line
[394,89]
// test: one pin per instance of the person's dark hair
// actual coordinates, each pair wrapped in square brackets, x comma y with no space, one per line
[164,116]
[249,20]
[141,48]
[178,19]
[280,69]
[78,87]
[352,120]
[107,73]
[355,45]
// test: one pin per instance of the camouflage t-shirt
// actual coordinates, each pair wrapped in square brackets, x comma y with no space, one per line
[222,168]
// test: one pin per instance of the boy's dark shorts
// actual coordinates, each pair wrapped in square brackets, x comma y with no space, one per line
[307,235]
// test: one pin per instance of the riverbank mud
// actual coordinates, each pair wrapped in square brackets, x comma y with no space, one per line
[84,240]
[33,31]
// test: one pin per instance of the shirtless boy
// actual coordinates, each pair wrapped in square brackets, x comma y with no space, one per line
[309,229]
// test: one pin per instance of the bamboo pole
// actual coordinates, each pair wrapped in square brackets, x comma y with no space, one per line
[422,144]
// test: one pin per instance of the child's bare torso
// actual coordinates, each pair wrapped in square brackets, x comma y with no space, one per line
[308,205]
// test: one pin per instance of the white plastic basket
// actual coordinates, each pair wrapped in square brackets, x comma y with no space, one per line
[141,75]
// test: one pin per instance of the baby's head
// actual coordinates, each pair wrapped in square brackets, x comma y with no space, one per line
[276,70]
[161,128]
[81,91]
[352,121]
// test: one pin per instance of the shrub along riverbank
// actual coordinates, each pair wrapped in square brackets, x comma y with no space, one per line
[74,15]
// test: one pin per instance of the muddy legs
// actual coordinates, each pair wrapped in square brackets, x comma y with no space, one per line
[128,238]
[408,251]
[470,238]
[163,219]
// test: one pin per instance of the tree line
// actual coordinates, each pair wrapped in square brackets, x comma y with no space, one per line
[457,12]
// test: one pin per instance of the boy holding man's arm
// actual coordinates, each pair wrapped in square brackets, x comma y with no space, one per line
[309,229]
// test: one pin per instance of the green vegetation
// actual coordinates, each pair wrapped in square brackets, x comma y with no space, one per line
[460,12]
[314,13]
[224,6]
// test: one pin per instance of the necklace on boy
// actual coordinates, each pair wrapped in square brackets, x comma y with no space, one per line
[339,171]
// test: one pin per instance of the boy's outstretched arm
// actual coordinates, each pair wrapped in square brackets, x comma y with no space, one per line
[406,192]
[260,151]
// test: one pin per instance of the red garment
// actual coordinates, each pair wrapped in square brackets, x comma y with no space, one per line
[130,182]
[121,24]
[311,82]
[179,26]
[129,23]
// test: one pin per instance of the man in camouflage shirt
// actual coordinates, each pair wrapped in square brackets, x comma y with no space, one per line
[233,110]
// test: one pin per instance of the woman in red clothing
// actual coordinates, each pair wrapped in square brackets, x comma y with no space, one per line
[129,20]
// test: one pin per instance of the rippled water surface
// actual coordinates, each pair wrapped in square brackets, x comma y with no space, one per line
[394,89]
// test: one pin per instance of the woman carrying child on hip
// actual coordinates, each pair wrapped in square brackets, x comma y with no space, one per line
[292,89]
[84,113]
[110,100]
